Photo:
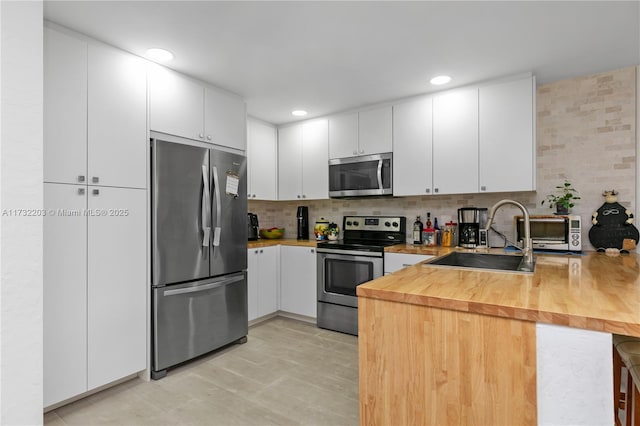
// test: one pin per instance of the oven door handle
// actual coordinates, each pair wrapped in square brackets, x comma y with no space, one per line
[350,252]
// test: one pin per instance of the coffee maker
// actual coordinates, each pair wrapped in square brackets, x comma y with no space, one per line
[471,220]
[302,217]
[252,226]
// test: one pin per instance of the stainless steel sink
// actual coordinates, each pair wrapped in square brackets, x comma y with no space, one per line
[494,262]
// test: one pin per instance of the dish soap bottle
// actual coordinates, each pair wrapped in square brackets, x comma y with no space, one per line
[417,231]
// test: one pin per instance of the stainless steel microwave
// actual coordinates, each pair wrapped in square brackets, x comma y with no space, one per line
[366,175]
[553,232]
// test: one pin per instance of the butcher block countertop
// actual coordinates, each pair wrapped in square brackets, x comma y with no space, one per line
[592,291]
[280,242]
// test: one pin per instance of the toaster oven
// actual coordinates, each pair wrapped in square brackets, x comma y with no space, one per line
[552,232]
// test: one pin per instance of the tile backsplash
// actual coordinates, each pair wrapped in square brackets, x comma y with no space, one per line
[586,132]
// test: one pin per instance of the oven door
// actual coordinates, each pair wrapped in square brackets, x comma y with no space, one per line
[341,271]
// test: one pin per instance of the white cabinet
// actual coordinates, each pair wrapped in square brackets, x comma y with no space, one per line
[117,117]
[183,107]
[262,160]
[395,261]
[361,133]
[65,108]
[455,142]
[95,105]
[65,293]
[507,148]
[303,163]
[298,290]
[117,285]
[412,147]
[95,287]
[176,104]
[225,119]
[263,266]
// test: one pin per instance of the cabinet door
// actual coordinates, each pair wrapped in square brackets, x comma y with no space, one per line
[290,163]
[343,135]
[253,278]
[225,119]
[262,159]
[176,104]
[315,160]
[268,284]
[507,149]
[65,108]
[412,147]
[374,131]
[65,292]
[117,132]
[117,284]
[395,261]
[298,277]
[455,142]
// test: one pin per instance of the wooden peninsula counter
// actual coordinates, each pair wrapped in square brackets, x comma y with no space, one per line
[448,346]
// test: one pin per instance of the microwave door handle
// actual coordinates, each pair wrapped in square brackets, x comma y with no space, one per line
[380,174]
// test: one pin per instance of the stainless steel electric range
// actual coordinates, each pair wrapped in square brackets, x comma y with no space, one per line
[354,260]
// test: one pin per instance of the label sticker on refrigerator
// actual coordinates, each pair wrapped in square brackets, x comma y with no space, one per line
[233,181]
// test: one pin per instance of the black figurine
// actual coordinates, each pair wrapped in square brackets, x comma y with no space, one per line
[613,225]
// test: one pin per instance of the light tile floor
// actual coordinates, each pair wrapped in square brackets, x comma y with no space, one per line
[288,373]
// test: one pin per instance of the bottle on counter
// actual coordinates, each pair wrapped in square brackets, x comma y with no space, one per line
[417,231]
[428,224]
[438,233]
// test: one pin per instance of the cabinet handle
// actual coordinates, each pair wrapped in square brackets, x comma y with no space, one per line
[362,151]
[428,190]
[95,179]
[304,196]
[208,137]
[254,195]
[96,192]
[80,191]
[483,188]
[256,252]
[435,190]
[201,136]
[261,251]
[80,178]
[298,195]
[313,251]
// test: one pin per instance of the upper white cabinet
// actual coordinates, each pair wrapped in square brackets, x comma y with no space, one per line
[225,119]
[303,171]
[361,133]
[95,114]
[117,131]
[262,160]
[183,107]
[507,148]
[412,147]
[455,142]
[65,108]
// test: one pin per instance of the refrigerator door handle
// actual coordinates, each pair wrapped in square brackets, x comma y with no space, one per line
[205,211]
[217,229]
[205,287]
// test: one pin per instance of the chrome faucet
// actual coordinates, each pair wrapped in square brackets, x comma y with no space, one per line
[527,262]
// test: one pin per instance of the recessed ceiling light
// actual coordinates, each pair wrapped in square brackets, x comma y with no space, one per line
[299,113]
[159,55]
[441,79]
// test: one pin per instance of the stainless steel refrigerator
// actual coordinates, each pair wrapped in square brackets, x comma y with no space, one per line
[199,251]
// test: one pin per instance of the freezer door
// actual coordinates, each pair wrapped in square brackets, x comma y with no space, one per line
[228,212]
[195,318]
[180,199]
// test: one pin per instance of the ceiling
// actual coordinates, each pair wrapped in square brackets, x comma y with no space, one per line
[330,56]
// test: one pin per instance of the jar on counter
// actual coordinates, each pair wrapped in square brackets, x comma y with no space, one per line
[450,235]
[429,237]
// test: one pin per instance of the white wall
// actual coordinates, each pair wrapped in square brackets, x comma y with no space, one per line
[20,236]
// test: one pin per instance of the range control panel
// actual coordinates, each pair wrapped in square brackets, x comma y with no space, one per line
[373,223]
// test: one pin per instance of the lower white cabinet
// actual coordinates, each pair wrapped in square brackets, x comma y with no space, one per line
[263,267]
[298,292]
[395,261]
[95,287]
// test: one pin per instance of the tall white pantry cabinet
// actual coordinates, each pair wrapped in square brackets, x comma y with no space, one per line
[95,231]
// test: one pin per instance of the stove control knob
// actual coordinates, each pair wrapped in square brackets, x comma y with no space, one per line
[387,224]
[395,224]
[356,223]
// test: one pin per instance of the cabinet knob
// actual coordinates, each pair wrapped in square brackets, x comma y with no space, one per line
[256,252]
[254,195]
[483,188]
[95,179]
[436,190]
[298,195]
[313,251]
[208,137]
[260,251]
[96,192]
[80,178]
[355,152]
[304,196]
[362,151]
[80,191]
[201,135]
[428,190]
